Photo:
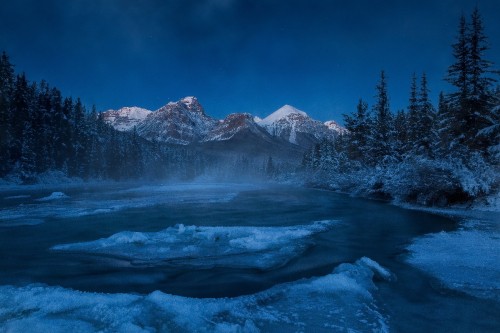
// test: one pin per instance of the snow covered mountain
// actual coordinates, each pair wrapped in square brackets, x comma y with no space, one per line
[125,118]
[185,122]
[296,127]
[182,122]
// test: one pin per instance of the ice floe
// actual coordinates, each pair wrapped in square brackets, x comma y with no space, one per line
[465,260]
[205,247]
[340,301]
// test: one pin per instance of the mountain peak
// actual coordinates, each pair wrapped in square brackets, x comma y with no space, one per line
[281,113]
[192,104]
[188,100]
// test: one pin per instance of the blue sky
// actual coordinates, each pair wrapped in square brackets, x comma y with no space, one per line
[237,55]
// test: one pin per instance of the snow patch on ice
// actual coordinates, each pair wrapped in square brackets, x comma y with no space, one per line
[342,300]
[54,196]
[205,247]
[377,269]
[465,260]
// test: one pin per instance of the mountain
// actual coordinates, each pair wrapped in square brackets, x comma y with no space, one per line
[239,134]
[125,118]
[184,122]
[295,126]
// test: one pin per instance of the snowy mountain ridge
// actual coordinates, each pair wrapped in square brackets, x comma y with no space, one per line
[126,118]
[185,122]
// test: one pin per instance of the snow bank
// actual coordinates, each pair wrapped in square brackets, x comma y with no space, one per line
[205,247]
[340,301]
[465,260]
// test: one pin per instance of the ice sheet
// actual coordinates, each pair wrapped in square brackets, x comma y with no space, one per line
[465,260]
[341,301]
[205,247]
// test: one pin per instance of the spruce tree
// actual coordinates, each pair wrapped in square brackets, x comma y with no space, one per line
[401,133]
[6,94]
[413,113]
[20,114]
[458,72]
[381,144]
[471,104]
[443,127]
[425,120]
[358,128]
[27,161]
[481,96]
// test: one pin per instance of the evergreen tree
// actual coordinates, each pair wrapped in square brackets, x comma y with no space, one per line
[59,125]
[381,144]
[78,165]
[458,72]
[481,97]
[64,148]
[42,127]
[135,166]
[20,114]
[6,94]
[480,68]
[413,130]
[95,156]
[401,133]
[27,162]
[425,136]
[443,127]
[471,103]
[358,127]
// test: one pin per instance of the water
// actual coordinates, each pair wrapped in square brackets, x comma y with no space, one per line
[358,227]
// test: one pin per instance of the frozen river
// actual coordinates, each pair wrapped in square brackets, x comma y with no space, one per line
[220,257]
